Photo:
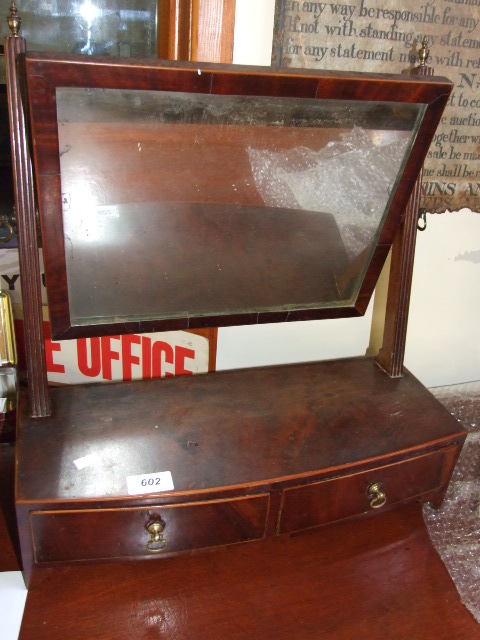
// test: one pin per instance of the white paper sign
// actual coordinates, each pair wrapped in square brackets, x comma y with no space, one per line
[86,461]
[150,483]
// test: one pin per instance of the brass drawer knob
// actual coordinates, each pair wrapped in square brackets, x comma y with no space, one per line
[157,543]
[378,497]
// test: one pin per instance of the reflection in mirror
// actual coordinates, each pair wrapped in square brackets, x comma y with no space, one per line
[125,28]
[179,205]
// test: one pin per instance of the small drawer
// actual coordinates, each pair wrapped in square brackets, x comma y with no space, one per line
[331,500]
[120,533]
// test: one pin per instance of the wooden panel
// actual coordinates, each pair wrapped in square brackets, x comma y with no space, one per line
[213,24]
[251,427]
[196,30]
[115,533]
[367,580]
[332,500]
[174,29]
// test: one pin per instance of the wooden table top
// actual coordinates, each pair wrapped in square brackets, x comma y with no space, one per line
[375,578]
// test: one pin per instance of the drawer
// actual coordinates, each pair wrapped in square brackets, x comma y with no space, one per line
[118,533]
[331,500]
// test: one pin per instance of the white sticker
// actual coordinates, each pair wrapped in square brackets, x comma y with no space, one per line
[86,461]
[150,483]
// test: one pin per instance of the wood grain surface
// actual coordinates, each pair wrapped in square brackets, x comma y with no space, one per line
[249,428]
[370,580]
[310,437]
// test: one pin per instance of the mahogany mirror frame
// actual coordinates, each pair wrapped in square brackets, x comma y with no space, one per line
[45,73]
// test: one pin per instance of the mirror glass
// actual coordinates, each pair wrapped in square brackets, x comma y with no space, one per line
[181,204]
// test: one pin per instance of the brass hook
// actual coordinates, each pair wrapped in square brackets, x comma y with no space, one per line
[378,496]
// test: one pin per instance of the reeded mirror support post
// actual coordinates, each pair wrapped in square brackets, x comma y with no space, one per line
[26,224]
[392,353]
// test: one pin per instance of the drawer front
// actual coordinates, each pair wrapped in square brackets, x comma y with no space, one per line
[119,533]
[331,500]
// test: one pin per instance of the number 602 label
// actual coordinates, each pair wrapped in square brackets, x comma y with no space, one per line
[150,483]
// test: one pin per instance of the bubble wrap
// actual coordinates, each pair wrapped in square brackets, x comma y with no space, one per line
[351,178]
[455,527]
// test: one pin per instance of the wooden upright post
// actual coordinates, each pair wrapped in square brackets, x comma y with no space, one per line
[392,353]
[24,193]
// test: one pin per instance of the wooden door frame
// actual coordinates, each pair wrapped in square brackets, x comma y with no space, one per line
[197,30]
